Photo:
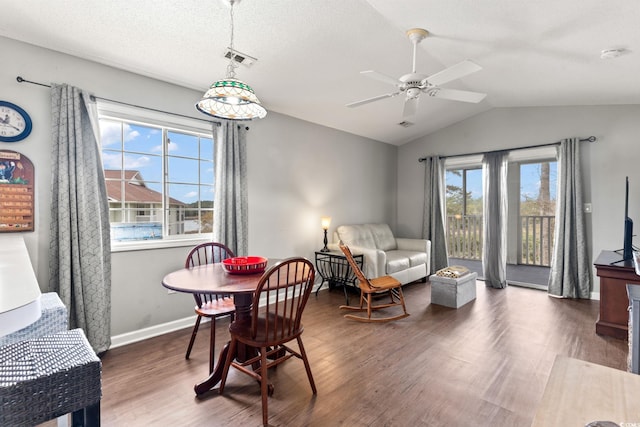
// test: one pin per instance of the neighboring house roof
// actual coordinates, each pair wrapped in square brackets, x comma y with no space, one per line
[136,191]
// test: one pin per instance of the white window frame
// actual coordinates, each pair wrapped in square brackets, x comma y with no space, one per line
[145,117]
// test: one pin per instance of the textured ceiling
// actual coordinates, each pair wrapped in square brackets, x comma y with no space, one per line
[310,52]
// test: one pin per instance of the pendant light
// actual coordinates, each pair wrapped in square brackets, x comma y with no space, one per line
[230,98]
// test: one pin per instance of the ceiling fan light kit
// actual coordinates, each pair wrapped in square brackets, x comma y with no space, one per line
[230,98]
[414,83]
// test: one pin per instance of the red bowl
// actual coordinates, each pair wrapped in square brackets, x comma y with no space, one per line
[245,264]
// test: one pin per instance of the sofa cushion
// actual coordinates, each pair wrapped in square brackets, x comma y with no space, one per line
[356,235]
[396,261]
[415,258]
[383,237]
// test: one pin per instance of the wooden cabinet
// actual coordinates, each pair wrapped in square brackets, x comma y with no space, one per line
[614,276]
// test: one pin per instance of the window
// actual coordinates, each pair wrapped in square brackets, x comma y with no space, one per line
[159,177]
[464,191]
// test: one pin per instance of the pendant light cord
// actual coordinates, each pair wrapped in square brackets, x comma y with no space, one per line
[231,68]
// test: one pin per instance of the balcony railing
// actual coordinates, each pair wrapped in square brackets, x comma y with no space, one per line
[464,238]
[537,239]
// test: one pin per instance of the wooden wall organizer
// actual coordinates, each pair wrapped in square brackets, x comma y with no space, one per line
[16,192]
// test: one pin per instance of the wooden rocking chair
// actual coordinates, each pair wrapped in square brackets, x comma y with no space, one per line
[374,287]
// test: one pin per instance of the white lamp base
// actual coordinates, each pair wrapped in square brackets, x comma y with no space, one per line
[19,318]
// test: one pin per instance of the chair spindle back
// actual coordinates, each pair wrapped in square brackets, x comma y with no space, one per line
[285,290]
[362,279]
[207,253]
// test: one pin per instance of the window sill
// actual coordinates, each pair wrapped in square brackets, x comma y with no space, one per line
[145,245]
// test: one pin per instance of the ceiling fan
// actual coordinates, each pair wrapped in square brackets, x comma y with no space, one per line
[413,84]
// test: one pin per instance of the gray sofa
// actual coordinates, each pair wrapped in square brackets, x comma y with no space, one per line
[384,254]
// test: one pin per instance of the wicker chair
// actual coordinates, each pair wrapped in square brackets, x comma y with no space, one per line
[372,287]
[285,289]
[207,305]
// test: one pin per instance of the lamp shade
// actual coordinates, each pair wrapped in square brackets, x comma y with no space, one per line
[325,221]
[231,99]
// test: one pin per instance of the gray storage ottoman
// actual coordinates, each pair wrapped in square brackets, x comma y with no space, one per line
[47,377]
[452,292]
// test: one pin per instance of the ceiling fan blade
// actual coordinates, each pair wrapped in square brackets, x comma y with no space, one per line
[380,77]
[368,100]
[410,107]
[457,95]
[454,72]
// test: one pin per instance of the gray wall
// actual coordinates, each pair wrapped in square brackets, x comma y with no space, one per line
[605,162]
[298,172]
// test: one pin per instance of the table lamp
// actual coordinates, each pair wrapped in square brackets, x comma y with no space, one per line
[325,221]
[19,290]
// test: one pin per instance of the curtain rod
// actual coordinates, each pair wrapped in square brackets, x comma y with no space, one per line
[93,98]
[589,139]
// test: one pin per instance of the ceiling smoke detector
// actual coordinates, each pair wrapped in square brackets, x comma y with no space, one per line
[612,53]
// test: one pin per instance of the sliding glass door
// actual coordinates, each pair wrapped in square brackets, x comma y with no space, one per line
[537,212]
[532,182]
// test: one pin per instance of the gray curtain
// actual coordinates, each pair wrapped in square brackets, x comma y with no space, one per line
[433,212]
[570,275]
[80,248]
[230,217]
[494,245]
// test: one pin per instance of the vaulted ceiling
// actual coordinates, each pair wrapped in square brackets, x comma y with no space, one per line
[310,52]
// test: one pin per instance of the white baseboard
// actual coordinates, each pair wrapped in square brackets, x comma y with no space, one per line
[152,331]
[163,328]
[592,295]
[527,285]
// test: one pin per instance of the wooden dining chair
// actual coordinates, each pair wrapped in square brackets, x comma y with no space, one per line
[370,288]
[276,314]
[207,305]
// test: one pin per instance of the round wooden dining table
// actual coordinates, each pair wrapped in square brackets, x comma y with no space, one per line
[214,279]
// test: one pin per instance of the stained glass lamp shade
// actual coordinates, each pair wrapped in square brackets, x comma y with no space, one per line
[231,99]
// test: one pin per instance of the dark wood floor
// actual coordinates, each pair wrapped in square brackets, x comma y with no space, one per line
[485,364]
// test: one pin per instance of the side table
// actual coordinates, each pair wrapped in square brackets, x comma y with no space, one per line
[334,269]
